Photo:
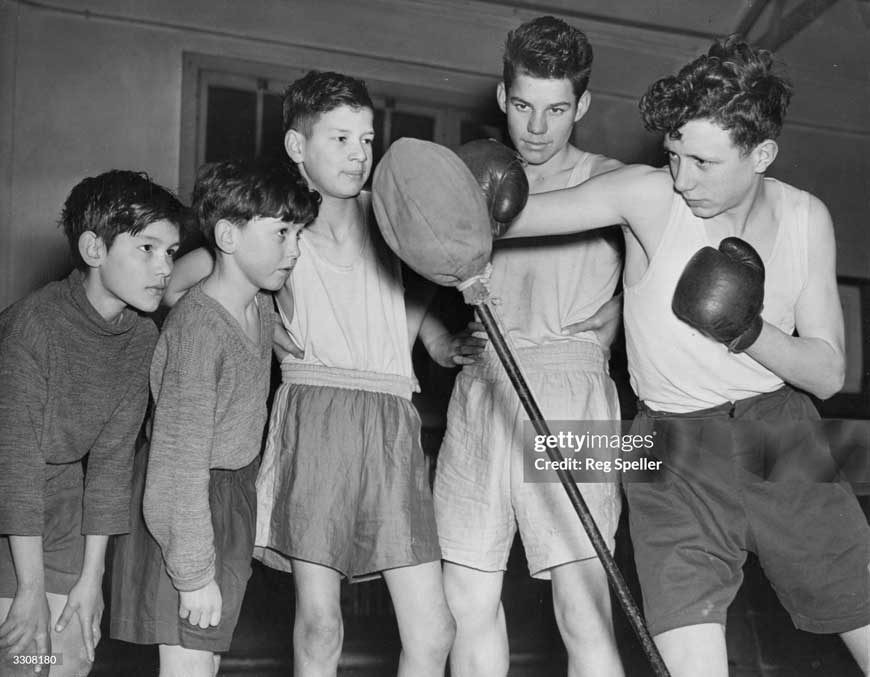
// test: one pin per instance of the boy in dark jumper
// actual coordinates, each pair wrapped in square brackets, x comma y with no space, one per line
[74,359]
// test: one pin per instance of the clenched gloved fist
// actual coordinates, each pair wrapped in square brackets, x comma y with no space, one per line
[721,293]
[499,171]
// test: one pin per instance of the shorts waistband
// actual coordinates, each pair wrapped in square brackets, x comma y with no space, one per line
[559,356]
[350,379]
[736,409]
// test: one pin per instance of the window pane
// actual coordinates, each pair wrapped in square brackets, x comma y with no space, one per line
[273,128]
[415,126]
[230,124]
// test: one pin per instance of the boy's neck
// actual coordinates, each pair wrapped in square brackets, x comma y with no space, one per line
[338,217]
[109,306]
[560,164]
[753,208]
[230,287]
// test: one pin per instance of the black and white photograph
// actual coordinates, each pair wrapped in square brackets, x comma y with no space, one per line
[433,338]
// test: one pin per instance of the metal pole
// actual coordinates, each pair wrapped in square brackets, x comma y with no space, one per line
[614,577]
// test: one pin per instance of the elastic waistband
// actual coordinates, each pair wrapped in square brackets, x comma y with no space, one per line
[350,379]
[736,409]
[562,356]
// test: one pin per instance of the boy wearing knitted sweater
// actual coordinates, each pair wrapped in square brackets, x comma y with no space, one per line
[180,583]
[74,360]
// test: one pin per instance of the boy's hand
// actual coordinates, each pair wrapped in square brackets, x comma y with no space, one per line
[604,323]
[27,628]
[86,600]
[201,607]
[283,344]
[450,350]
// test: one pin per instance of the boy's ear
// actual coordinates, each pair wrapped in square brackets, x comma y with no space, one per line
[583,104]
[225,233]
[764,155]
[501,96]
[294,144]
[92,249]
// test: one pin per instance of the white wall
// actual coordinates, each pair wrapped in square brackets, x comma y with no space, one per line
[89,85]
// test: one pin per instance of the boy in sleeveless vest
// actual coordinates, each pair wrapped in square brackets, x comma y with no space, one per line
[544,286]
[74,359]
[693,524]
[343,489]
[180,576]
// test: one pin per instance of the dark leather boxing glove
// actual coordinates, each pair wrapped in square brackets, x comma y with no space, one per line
[721,293]
[501,176]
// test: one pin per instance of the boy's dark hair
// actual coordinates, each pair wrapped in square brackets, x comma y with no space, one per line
[117,201]
[548,47]
[733,85]
[319,92]
[242,190]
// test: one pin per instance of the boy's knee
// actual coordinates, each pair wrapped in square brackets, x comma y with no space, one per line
[467,600]
[434,639]
[76,667]
[320,634]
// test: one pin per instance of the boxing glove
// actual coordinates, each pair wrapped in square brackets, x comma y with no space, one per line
[501,176]
[721,293]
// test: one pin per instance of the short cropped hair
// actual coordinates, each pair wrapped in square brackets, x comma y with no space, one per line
[115,202]
[319,92]
[733,86]
[239,191]
[549,48]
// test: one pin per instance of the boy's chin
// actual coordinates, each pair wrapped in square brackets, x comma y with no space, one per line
[146,303]
[274,283]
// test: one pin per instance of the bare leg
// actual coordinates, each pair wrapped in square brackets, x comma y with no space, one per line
[581,601]
[481,646]
[318,630]
[69,644]
[425,624]
[695,650]
[176,661]
[858,642]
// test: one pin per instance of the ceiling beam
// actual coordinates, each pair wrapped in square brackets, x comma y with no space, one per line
[607,19]
[793,23]
[750,17]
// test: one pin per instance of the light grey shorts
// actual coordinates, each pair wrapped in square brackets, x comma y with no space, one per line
[480,495]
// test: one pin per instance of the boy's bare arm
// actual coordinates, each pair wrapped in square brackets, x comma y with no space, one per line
[419,293]
[625,196]
[448,349]
[815,360]
[187,271]
[605,323]
[283,343]
[85,598]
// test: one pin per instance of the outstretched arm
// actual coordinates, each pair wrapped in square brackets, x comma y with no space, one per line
[815,360]
[603,200]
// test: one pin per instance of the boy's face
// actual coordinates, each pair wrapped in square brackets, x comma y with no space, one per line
[541,113]
[134,271]
[711,173]
[336,156]
[267,249]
